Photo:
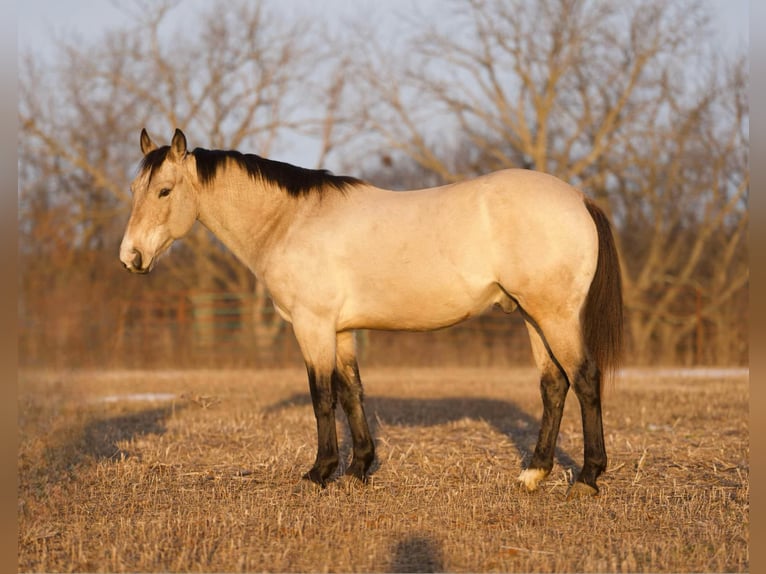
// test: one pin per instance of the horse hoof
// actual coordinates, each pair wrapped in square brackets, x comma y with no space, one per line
[531,478]
[356,471]
[314,476]
[581,490]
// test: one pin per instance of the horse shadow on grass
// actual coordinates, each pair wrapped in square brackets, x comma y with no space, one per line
[416,553]
[101,439]
[506,417]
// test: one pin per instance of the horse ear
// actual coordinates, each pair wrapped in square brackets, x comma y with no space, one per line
[178,145]
[147,144]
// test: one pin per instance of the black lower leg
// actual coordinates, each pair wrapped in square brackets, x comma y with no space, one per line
[587,387]
[349,390]
[323,399]
[553,387]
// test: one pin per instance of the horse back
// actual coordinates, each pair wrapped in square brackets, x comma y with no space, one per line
[429,258]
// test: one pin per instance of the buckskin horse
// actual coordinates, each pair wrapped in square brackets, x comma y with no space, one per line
[338,254]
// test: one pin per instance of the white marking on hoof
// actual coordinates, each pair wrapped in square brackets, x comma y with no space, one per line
[531,477]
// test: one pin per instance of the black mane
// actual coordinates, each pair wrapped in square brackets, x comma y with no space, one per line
[153,160]
[295,181]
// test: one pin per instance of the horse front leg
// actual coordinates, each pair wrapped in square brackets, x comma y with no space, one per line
[323,400]
[317,344]
[349,391]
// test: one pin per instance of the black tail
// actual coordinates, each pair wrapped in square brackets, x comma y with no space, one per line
[602,321]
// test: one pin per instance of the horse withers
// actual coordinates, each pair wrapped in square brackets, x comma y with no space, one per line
[338,254]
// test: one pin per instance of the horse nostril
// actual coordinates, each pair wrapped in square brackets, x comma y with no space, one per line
[137,259]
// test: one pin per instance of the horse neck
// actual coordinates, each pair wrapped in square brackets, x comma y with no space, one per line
[246,215]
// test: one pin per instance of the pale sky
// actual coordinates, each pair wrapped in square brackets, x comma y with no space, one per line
[39,19]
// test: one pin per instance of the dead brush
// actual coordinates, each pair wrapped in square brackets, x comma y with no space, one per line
[215,488]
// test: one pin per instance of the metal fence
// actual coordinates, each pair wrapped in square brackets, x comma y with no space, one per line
[208,329]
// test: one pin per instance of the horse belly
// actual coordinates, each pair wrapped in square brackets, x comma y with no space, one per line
[424,266]
[412,305]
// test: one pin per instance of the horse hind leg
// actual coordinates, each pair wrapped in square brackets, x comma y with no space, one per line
[565,362]
[348,387]
[553,388]
[587,387]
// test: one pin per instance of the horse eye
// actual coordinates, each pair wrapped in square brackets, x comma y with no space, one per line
[164,192]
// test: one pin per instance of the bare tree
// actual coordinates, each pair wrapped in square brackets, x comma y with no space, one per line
[682,189]
[623,99]
[550,85]
[238,78]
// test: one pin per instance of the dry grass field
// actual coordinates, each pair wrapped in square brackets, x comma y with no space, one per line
[205,475]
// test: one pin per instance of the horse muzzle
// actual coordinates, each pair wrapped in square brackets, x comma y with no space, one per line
[134,262]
